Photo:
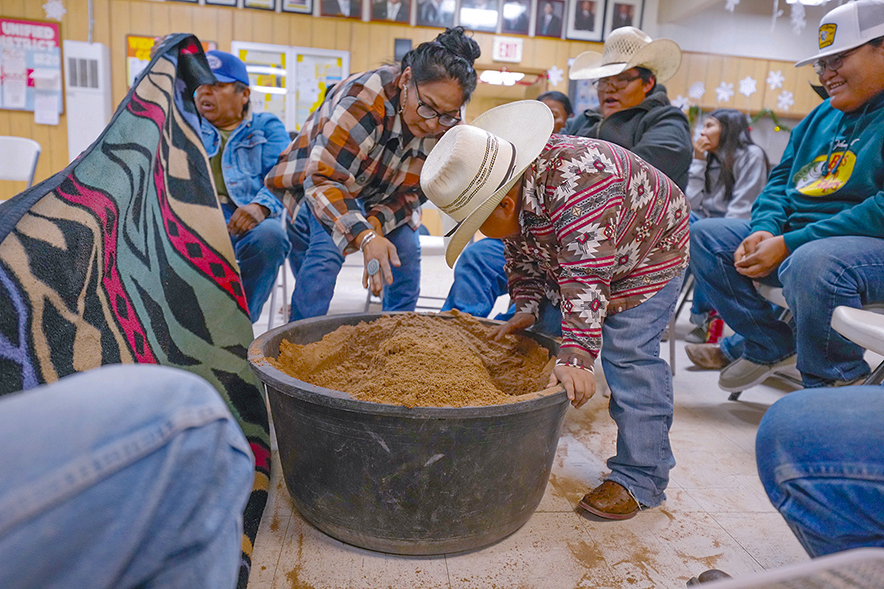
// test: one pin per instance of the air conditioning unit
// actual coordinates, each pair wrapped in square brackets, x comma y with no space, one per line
[87,88]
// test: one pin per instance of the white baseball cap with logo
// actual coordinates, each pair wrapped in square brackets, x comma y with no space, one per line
[849,26]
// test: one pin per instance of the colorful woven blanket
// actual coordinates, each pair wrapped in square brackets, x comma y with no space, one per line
[124,257]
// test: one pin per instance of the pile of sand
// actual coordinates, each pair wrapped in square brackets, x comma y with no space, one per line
[420,361]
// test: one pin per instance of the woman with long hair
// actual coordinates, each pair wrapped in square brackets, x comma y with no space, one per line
[728,173]
[356,165]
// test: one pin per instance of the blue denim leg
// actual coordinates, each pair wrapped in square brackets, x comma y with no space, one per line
[713,243]
[479,278]
[843,271]
[259,252]
[123,476]
[318,267]
[402,295]
[641,395]
[820,459]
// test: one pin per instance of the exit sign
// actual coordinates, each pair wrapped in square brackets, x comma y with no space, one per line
[507,49]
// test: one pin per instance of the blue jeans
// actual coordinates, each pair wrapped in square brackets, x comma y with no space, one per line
[259,252]
[123,476]
[700,305]
[316,262]
[641,394]
[821,462]
[816,278]
[479,278]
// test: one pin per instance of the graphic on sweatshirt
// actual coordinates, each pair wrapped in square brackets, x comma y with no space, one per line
[815,179]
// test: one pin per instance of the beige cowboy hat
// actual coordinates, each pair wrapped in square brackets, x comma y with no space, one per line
[626,48]
[472,167]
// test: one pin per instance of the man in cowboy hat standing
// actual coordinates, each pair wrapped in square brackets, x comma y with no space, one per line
[817,228]
[598,232]
[634,113]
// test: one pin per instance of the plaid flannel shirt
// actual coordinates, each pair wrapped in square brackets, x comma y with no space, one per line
[354,146]
[602,232]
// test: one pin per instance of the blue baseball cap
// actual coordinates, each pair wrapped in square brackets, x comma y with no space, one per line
[227,67]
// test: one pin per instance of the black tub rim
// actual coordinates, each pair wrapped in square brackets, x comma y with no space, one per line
[288,386]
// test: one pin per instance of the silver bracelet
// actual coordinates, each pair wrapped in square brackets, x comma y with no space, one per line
[366,239]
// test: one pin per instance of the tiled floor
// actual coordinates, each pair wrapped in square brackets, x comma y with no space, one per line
[716,516]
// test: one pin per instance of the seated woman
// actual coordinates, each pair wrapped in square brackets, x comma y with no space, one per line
[727,175]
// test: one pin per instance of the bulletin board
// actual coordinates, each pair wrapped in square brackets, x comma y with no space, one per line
[290,82]
[30,67]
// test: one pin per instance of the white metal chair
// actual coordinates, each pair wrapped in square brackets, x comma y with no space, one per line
[18,159]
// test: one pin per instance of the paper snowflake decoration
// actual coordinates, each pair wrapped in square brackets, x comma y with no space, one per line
[747,86]
[785,100]
[697,90]
[681,102]
[54,9]
[555,75]
[797,18]
[731,4]
[775,79]
[724,92]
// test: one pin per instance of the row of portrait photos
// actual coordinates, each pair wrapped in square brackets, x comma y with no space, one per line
[586,20]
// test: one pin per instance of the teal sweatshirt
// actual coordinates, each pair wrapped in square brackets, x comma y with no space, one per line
[802,203]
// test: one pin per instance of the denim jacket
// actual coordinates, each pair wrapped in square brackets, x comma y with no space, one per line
[251,150]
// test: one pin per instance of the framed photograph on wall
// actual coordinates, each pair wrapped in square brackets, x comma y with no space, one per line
[435,13]
[221,3]
[341,8]
[550,16]
[516,17]
[260,4]
[301,6]
[391,10]
[479,15]
[586,20]
[623,13]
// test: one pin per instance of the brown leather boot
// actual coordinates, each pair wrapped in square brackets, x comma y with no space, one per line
[708,356]
[610,500]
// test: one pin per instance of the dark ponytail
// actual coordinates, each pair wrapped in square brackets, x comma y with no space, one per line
[450,56]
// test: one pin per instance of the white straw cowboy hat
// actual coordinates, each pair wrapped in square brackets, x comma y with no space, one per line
[626,48]
[848,26]
[472,167]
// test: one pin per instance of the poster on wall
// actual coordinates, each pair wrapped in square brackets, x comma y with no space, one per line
[138,54]
[30,68]
[290,82]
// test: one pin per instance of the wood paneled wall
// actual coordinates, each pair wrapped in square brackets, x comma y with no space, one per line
[369,44]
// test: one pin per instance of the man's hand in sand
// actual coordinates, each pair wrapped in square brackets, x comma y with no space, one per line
[518,322]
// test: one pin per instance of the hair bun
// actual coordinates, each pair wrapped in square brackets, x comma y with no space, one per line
[456,41]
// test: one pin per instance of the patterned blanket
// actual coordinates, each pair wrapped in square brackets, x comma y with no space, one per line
[124,257]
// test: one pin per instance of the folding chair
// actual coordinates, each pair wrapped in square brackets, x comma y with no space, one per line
[18,159]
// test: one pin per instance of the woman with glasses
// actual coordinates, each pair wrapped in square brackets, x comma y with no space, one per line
[356,166]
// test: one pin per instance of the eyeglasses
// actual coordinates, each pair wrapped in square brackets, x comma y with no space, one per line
[426,111]
[614,84]
[834,63]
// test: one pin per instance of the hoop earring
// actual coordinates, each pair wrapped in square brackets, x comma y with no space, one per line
[404,99]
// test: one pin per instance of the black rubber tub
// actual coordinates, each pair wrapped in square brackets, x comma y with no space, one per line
[416,481]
